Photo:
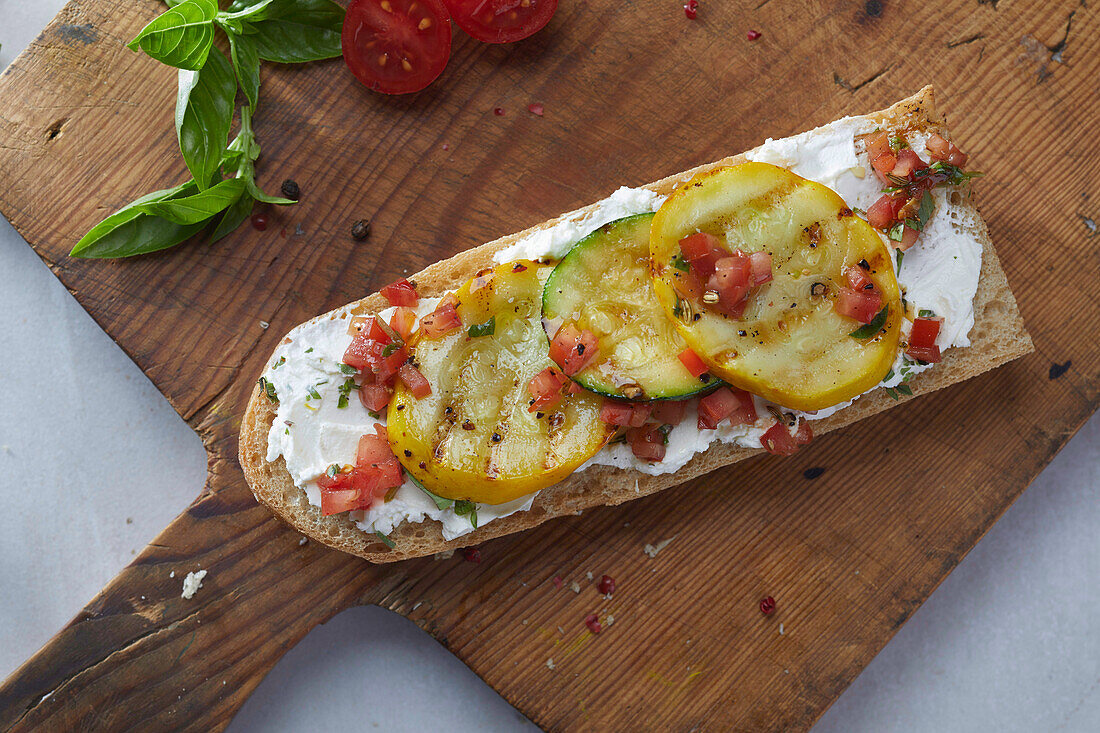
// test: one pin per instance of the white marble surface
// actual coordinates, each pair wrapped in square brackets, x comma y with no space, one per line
[93,462]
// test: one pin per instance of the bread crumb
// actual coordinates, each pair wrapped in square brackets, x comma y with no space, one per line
[192,583]
[652,550]
[610,620]
[589,575]
[550,664]
[575,587]
[445,555]
[561,631]
[264,325]
[172,574]
[781,628]
[302,542]
[418,605]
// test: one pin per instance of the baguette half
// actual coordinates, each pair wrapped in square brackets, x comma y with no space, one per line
[998,336]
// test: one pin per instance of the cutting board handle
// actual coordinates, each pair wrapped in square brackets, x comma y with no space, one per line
[141,656]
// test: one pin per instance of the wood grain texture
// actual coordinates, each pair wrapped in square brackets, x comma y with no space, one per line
[632,92]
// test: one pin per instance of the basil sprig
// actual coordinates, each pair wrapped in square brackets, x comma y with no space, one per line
[222,189]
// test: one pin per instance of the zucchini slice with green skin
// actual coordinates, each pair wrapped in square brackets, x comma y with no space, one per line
[604,285]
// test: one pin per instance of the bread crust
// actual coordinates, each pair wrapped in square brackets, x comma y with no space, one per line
[998,336]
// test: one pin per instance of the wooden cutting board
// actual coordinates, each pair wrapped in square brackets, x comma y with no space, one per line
[850,536]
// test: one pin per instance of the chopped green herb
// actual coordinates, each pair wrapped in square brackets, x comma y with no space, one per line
[664,430]
[898,143]
[892,392]
[680,263]
[464,507]
[313,393]
[889,376]
[857,210]
[905,389]
[309,350]
[344,390]
[869,330]
[927,206]
[269,389]
[900,255]
[348,369]
[374,414]
[926,313]
[389,349]
[484,329]
[385,540]
[276,365]
[332,470]
[896,232]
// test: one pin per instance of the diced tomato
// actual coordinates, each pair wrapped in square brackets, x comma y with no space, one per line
[687,284]
[625,414]
[948,152]
[692,362]
[857,278]
[546,388]
[804,434]
[745,414]
[883,213]
[927,354]
[761,267]
[414,381]
[341,500]
[732,278]
[442,320]
[908,161]
[403,321]
[566,337]
[861,305]
[401,293]
[908,238]
[778,441]
[374,450]
[669,412]
[884,162]
[340,481]
[647,443]
[375,397]
[381,332]
[718,405]
[616,413]
[924,333]
[877,144]
[363,353]
[390,364]
[573,349]
[702,250]
[574,388]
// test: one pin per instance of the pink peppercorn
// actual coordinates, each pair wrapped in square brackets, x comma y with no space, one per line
[592,621]
[691,9]
[767,606]
[471,554]
[606,585]
[753,35]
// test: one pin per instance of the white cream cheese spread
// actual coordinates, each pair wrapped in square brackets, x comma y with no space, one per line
[311,431]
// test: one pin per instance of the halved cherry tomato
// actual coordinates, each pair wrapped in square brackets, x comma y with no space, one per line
[396,46]
[501,21]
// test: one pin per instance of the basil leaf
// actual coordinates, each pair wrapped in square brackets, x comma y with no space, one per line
[246,63]
[348,369]
[296,31]
[234,216]
[440,502]
[905,389]
[927,206]
[900,255]
[247,10]
[483,329]
[926,313]
[464,507]
[200,207]
[896,232]
[181,36]
[132,231]
[204,113]
[257,193]
[869,330]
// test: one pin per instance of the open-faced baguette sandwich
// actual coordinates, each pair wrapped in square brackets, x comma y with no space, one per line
[634,344]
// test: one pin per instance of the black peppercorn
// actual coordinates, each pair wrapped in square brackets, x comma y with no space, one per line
[291,190]
[360,230]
